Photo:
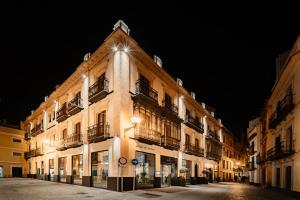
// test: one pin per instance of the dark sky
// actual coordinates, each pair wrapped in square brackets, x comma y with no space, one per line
[224,53]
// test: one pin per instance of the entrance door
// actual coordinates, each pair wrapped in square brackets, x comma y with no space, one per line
[196,170]
[51,169]
[288,178]
[166,175]
[1,172]
[62,163]
[17,171]
[277,177]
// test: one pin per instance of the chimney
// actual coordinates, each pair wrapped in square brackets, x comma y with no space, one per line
[213,114]
[45,98]
[193,95]
[157,60]
[122,25]
[86,56]
[203,105]
[219,120]
[32,111]
[179,82]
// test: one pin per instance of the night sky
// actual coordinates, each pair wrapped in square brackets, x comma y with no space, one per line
[224,54]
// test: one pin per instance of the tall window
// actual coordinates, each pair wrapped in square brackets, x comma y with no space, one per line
[101,121]
[168,101]
[77,128]
[196,143]
[64,134]
[187,139]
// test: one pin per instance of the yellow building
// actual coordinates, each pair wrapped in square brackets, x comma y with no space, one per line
[121,121]
[227,159]
[281,125]
[12,148]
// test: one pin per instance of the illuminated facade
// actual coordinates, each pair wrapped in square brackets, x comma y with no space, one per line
[12,148]
[279,158]
[120,105]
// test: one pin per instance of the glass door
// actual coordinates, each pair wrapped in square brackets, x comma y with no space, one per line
[51,169]
[62,163]
[100,169]
[166,170]
[77,171]
[1,172]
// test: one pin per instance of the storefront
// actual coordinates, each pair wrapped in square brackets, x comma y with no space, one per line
[1,172]
[62,171]
[51,169]
[100,169]
[144,170]
[187,169]
[77,169]
[168,170]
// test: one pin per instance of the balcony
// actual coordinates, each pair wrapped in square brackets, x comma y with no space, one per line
[284,149]
[170,107]
[74,106]
[62,114]
[284,107]
[194,123]
[35,152]
[27,136]
[145,95]
[98,90]
[147,136]
[251,150]
[193,150]
[37,130]
[250,166]
[260,159]
[98,133]
[72,141]
[26,155]
[213,156]
[213,136]
[171,143]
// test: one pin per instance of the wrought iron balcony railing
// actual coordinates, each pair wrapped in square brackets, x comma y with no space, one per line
[98,132]
[285,106]
[74,106]
[194,123]
[170,143]
[169,106]
[212,135]
[146,90]
[284,149]
[213,155]
[98,90]
[35,152]
[250,166]
[37,130]
[72,141]
[62,114]
[147,136]
[193,150]
[27,136]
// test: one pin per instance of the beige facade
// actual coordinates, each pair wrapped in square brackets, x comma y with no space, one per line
[120,105]
[279,158]
[12,148]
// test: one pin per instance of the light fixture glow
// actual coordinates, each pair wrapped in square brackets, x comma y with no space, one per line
[115,48]
[136,120]
[46,142]
[126,49]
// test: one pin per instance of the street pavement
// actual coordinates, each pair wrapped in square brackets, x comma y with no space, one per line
[31,189]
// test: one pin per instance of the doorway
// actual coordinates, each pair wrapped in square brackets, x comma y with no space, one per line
[16,171]
[166,175]
[62,163]
[1,172]
[288,178]
[277,177]
[196,170]
[51,169]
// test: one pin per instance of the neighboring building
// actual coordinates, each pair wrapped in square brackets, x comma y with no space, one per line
[239,160]
[120,105]
[227,159]
[12,148]
[279,156]
[254,148]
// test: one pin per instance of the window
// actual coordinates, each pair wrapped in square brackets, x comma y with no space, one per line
[17,140]
[77,128]
[64,134]
[197,143]
[50,117]
[187,139]
[17,154]
[223,164]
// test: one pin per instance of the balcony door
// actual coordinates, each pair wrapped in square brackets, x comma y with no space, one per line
[277,145]
[187,139]
[144,85]
[168,101]
[289,140]
[101,81]
[277,177]
[101,122]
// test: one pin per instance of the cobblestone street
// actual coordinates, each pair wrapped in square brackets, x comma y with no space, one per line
[31,189]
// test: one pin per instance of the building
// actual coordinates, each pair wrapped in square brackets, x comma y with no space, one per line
[227,159]
[280,142]
[12,148]
[121,122]
[254,148]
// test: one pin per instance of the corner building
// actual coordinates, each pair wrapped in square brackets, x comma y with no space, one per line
[120,105]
